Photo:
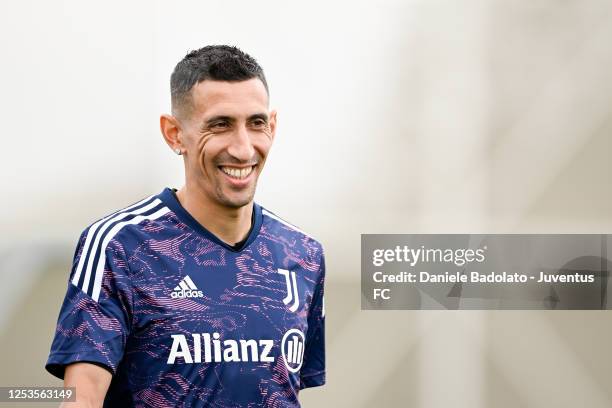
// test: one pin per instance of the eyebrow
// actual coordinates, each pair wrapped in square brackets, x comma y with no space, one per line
[263,116]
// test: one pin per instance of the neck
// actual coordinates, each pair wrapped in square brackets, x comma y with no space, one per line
[230,225]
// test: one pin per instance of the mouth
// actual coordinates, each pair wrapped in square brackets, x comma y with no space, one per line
[237,173]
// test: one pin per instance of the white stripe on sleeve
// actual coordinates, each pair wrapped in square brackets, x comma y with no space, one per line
[100,268]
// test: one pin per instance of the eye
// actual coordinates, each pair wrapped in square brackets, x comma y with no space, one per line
[258,123]
[220,125]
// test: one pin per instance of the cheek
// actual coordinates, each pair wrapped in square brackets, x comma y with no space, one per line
[203,141]
[208,151]
[263,143]
[197,147]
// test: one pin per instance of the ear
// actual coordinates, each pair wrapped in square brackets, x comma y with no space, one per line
[272,122]
[171,129]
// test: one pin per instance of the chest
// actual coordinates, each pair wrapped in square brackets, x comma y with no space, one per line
[258,293]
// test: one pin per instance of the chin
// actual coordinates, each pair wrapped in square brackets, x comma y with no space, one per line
[235,202]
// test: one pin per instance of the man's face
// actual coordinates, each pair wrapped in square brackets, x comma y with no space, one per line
[226,139]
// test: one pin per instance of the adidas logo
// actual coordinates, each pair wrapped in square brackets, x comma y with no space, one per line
[186,289]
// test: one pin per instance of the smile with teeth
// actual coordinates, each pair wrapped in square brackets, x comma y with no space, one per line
[237,173]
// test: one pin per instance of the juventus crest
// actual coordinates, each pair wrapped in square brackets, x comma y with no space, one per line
[292,297]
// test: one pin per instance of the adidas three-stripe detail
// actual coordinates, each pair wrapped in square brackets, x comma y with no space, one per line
[90,269]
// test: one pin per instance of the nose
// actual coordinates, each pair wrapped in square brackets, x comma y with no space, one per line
[241,146]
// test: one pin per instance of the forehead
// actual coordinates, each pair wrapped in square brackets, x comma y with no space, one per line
[244,98]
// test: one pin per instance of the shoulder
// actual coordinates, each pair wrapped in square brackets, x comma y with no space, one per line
[101,250]
[106,232]
[280,227]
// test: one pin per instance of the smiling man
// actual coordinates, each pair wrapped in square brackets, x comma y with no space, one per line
[198,296]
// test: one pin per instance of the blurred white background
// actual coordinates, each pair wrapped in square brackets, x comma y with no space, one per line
[395,116]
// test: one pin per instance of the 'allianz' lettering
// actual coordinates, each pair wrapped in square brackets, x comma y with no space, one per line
[207,348]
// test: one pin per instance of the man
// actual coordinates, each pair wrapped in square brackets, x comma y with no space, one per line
[198,297]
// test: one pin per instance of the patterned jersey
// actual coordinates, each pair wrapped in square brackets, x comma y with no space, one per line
[180,318]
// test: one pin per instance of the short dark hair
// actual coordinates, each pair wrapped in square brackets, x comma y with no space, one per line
[214,62]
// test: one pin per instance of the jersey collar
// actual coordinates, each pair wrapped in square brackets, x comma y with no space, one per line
[169,198]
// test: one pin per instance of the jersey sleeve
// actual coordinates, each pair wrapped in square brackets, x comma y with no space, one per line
[95,317]
[312,373]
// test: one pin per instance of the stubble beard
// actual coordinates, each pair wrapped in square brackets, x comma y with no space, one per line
[218,194]
[245,199]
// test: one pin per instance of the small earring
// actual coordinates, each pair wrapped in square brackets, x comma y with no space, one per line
[178,151]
